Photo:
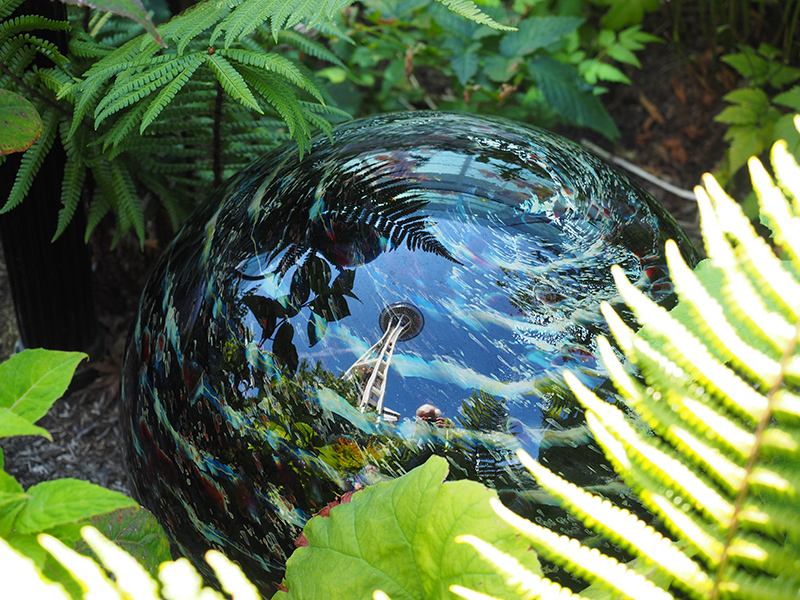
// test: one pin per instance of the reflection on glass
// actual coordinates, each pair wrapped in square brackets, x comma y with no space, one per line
[322,324]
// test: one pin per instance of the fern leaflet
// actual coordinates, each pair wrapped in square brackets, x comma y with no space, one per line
[32,160]
[169,91]
[276,63]
[231,81]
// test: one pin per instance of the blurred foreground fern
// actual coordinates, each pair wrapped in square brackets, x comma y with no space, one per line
[718,460]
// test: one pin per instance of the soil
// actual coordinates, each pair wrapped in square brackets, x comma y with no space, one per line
[667,127]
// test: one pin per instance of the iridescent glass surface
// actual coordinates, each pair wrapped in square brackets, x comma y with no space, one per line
[415,287]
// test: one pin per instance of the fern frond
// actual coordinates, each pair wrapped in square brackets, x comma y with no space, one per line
[32,160]
[71,185]
[24,23]
[83,45]
[623,527]
[686,351]
[45,48]
[519,577]
[72,182]
[585,562]
[783,222]
[755,255]
[9,6]
[745,302]
[231,81]
[787,170]
[281,97]
[651,454]
[469,10]
[169,91]
[98,208]
[309,46]
[269,61]
[712,324]
[53,79]
[95,79]
[244,20]
[127,199]
[186,27]
[21,59]
[136,88]
[122,127]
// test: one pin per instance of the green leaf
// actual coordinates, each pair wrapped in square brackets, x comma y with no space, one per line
[627,12]
[538,32]
[790,99]
[66,501]
[785,130]
[565,91]
[754,97]
[12,424]
[33,379]
[136,531]
[465,64]
[749,65]
[739,114]
[132,9]
[20,124]
[399,537]
[746,141]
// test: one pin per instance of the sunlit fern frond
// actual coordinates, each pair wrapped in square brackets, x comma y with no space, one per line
[718,387]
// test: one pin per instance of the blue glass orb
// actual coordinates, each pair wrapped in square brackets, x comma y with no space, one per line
[325,322]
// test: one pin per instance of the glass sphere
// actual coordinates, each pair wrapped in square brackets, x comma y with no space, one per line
[327,321]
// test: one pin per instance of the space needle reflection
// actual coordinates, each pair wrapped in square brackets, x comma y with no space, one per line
[400,322]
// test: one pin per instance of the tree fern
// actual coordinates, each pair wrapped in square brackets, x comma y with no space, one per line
[720,396]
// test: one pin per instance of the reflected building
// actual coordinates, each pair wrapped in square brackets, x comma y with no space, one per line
[399,322]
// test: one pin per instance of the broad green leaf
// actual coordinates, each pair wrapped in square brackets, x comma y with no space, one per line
[399,537]
[136,531]
[31,381]
[754,97]
[9,485]
[132,9]
[20,124]
[790,98]
[627,12]
[66,501]
[537,32]
[565,91]
[749,65]
[785,130]
[465,63]
[746,141]
[738,114]
[12,424]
